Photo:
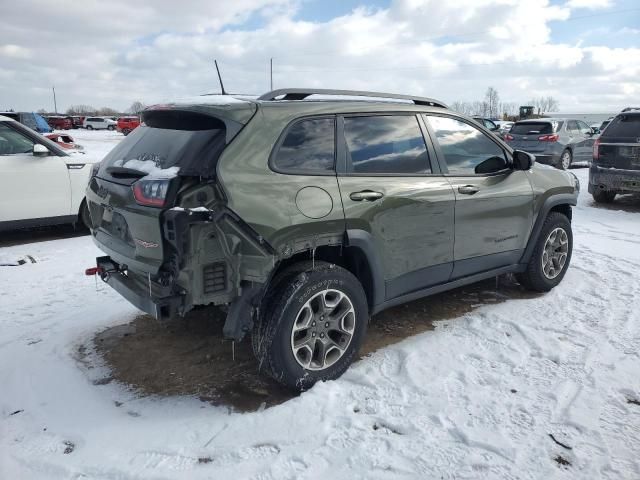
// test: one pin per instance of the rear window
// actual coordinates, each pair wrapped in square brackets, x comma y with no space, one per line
[535,128]
[175,142]
[623,126]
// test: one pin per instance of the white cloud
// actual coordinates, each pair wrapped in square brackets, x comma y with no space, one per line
[424,47]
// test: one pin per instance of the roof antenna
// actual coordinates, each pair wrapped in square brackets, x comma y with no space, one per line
[220,78]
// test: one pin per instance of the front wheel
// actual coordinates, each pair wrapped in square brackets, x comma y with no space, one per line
[89,127]
[551,256]
[311,329]
[111,128]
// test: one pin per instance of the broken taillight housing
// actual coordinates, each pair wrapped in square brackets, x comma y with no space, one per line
[151,192]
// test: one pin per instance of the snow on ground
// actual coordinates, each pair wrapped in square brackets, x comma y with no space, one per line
[477,397]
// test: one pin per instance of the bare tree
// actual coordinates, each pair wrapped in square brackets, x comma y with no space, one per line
[107,112]
[492,99]
[81,110]
[137,107]
[544,104]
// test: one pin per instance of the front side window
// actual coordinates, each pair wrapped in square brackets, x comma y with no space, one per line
[466,150]
[584,128]
[308,147]
[12,142]
[386,145]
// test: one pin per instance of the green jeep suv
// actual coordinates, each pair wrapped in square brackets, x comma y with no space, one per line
[304,212]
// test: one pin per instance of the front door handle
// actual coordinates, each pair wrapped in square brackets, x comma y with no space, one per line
[367,195]
[468,189]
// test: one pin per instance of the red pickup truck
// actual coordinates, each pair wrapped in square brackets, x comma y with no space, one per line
[127,124]
[60,123]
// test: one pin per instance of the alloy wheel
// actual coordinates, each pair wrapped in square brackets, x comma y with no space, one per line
[554,255]
[323,329]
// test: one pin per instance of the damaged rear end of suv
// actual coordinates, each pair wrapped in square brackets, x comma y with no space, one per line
[159,213]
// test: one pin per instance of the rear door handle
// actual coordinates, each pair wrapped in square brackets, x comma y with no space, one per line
[468,189]
[367,195]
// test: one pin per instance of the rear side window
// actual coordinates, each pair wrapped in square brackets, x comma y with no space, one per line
[308,147]
[386,145]
[623,126]
[466,149]
[535,128]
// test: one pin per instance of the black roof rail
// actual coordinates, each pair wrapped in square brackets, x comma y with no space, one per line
[302,93]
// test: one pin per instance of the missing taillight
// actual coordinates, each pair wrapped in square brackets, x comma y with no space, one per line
[151,193]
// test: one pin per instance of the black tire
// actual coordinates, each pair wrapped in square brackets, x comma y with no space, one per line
[126,131]
[562,165]
[288,294]
[604,196]
[89,127]
[111,128]
[85,216]
[534,277]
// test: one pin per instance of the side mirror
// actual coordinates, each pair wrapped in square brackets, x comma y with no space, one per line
[522,160]
[491,165]
[40,150]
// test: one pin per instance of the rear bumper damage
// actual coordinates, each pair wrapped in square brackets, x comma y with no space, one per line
[161,307]
[211,258]
[614,180]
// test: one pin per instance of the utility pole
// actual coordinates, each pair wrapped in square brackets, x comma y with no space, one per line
[271,72]
[55,105]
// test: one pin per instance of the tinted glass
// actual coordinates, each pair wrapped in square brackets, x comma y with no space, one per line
[465,147]
[12,142]
[533,128]
[386,144]
[189,141]
[308,147]
[624,126]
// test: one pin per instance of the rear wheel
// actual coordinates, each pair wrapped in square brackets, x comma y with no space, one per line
[312,324]
[604,196]
[551,256]
[111,127]
[126,131]
[565,160]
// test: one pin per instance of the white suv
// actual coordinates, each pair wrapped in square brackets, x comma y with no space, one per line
[99,123]
[41,184]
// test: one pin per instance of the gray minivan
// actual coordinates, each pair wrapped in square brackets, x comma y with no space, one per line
[555,141]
